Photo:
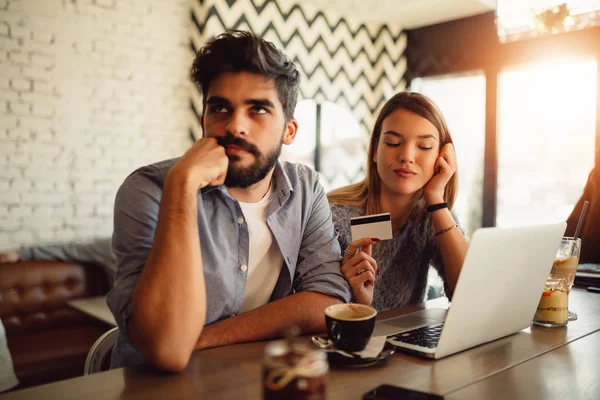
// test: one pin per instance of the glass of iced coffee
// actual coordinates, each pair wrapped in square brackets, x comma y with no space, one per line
[553,306]
[566,262]
[567,259]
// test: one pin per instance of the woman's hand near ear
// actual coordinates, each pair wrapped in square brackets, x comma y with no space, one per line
[445,167]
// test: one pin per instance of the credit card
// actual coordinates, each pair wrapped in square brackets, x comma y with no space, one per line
[372,226]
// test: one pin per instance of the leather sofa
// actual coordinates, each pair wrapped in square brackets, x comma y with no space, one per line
[49,340]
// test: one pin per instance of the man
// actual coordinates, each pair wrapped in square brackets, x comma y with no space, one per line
[225,244]
[97,252]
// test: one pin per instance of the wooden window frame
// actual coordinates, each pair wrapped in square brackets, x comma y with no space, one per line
[471,44]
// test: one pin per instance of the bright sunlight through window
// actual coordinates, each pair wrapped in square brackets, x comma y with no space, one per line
[546,140]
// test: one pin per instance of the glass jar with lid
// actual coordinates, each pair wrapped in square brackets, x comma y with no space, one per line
[294,371]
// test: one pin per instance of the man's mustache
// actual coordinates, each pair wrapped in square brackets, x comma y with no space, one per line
[229,139]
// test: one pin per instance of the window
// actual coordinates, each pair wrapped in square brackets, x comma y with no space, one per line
[546,139]
[329,140]
[461,98]
[344,147]
[303,149]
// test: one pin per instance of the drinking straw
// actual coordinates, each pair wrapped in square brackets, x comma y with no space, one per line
[581,218]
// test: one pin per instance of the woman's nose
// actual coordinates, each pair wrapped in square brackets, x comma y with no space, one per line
[407,154]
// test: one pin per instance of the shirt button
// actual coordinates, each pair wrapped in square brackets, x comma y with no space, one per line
[240,220]
[244,268]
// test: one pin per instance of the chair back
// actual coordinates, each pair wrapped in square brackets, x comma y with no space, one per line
[98,358]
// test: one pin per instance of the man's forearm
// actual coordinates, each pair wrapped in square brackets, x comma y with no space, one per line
[304,309]
[169,302]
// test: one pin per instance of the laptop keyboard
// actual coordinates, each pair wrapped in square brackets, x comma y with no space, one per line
[427,336]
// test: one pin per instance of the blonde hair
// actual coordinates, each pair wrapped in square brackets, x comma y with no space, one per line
[366,193]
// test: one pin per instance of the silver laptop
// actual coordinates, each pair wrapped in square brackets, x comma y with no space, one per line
[497,293]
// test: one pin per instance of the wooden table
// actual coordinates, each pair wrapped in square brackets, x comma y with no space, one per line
[569,372]
[235,371]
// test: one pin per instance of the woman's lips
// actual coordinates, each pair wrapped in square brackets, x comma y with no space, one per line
[404,173]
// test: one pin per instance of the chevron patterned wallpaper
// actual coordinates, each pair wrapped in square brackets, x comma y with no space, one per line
[355,65]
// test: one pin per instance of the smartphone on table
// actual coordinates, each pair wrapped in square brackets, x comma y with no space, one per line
[390,392]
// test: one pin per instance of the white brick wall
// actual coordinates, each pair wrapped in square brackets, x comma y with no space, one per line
[89,91]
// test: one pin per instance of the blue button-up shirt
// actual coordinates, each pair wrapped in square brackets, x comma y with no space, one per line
[298,215]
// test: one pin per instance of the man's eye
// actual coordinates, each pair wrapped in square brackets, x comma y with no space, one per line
[259,110]
[217,109]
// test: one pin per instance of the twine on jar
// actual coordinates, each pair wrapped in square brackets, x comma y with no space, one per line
[307,367]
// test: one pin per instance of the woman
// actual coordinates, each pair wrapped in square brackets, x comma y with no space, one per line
[411,173]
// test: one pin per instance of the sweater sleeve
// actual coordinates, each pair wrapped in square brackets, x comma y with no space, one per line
[341,221]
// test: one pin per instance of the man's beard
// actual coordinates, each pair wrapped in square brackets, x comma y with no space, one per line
[242,177]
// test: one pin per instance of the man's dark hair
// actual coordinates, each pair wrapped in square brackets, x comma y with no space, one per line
[241,51]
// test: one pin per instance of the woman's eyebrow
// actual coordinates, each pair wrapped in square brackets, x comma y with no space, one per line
[423,136]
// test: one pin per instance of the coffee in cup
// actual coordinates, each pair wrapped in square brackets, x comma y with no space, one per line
[350,326]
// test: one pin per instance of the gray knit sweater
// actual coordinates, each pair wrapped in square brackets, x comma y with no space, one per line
[403,260]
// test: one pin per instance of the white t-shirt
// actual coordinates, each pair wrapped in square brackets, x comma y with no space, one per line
[265,258]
